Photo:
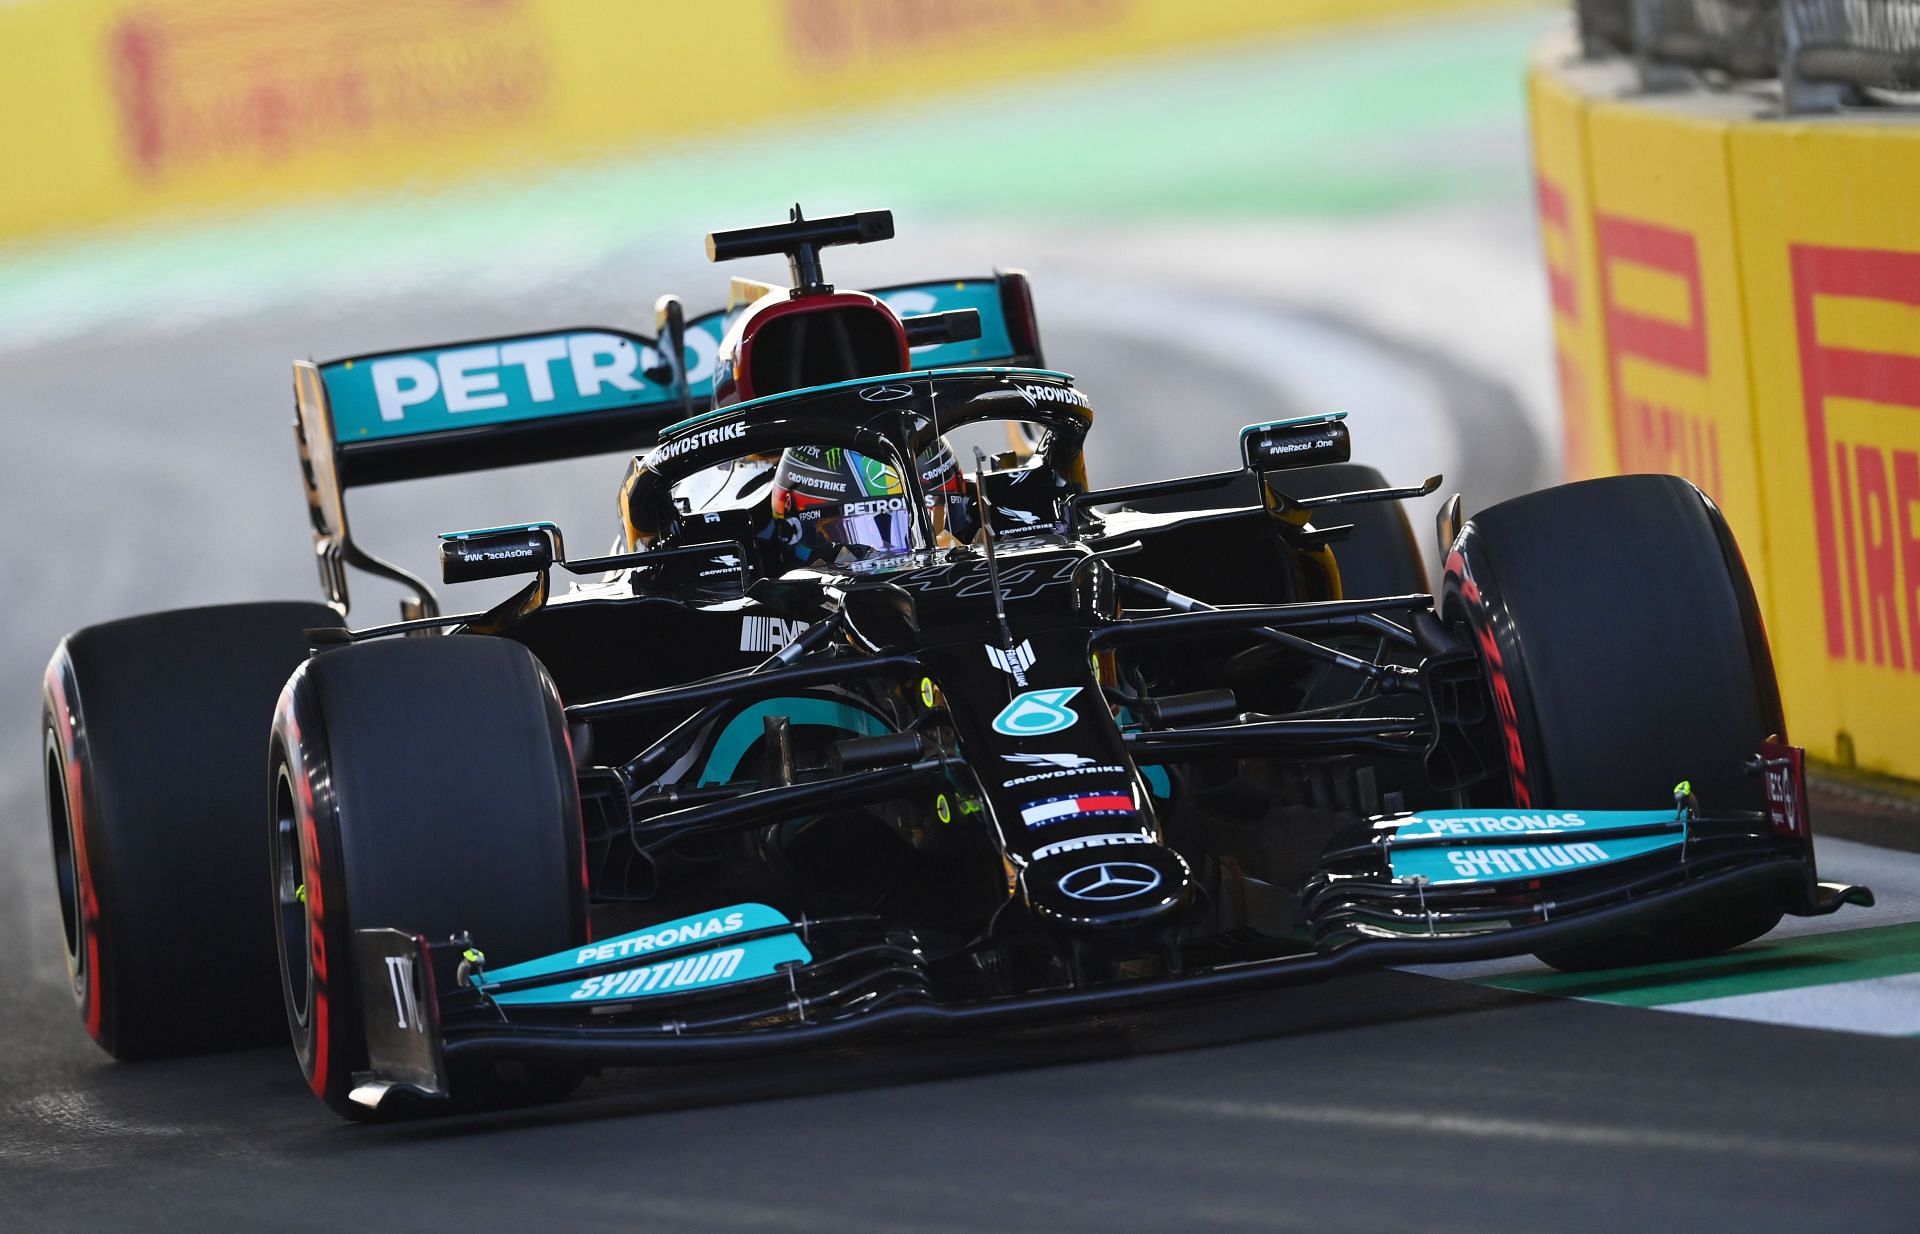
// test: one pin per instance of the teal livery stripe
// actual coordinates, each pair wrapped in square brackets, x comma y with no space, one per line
[738,737]
[492,381]
[1473,846]
[687,954]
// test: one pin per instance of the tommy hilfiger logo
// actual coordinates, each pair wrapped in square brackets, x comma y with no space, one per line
[1079,805]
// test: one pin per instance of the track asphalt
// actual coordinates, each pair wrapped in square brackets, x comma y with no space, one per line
[150,466]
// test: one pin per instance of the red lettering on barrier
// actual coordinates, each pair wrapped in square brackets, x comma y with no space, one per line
[1876,529]
[1906,507]
[1563,292]
[832,34]
[1554,218]
[282,78]
[134,51]
[1573,412]
[1878,494]
[1671,251]
[1863,525]
[1653,436]
[1844,471]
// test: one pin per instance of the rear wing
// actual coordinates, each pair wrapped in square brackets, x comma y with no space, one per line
[499,402]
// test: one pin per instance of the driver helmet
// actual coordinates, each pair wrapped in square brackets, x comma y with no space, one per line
[837,504]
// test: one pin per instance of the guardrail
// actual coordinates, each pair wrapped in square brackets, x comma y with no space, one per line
[1735,288]
[1825,54]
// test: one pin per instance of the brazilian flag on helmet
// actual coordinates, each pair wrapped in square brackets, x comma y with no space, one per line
[836,503]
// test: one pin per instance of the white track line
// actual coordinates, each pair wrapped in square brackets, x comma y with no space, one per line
[1882,1006]
[1536,1131]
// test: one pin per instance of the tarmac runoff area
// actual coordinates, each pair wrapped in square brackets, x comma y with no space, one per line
[153,449]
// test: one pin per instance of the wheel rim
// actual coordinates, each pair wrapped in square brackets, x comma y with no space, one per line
[289,888]
[66,869]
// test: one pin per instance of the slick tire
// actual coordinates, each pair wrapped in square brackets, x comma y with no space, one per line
[1618,617]
[151,735]
[1379,557]
[424,785]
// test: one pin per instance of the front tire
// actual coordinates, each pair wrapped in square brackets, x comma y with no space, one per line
[423,785]
[1625,653]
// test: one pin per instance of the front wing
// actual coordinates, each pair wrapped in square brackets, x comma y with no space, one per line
[752,982]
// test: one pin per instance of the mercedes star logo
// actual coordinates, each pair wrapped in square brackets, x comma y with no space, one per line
[1110,880]
[885,394]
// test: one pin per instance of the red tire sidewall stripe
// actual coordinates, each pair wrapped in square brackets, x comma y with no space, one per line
[1499,681]
[316,1058]
[580,825]
[92,991]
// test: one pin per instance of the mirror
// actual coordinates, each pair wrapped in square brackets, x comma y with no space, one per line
[498,552]
[1304,442]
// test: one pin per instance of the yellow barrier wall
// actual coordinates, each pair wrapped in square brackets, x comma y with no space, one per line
[119,109]
[1759,288]
[1671,318]
[1564,194]
[1829,225]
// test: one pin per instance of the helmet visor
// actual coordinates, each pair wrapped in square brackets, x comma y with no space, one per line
[878,526]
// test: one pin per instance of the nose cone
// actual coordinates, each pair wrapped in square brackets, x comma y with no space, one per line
[1107,886]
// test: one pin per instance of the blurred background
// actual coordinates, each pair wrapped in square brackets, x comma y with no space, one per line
[1229,209]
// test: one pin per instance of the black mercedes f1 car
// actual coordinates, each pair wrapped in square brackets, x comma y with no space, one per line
[845,737]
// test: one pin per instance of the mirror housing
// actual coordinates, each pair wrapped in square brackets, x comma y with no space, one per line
[1305,441]
[932,329]
[499,552]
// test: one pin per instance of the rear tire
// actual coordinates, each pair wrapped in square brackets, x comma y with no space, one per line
[151,735]
[423,785]
[1379,557]
[1617,616]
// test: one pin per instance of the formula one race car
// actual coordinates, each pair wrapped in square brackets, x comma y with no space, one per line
[847,736]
